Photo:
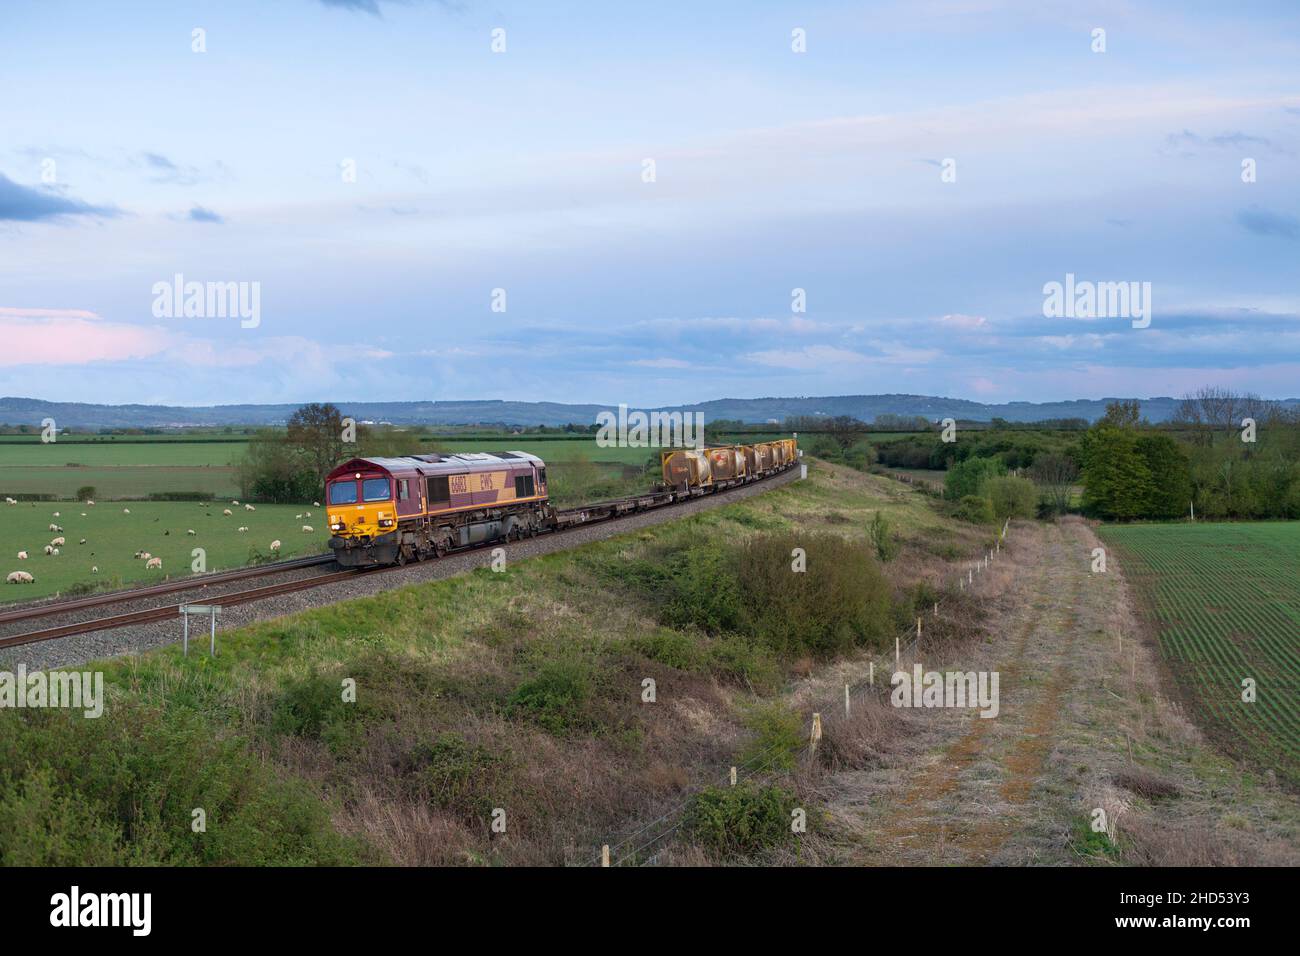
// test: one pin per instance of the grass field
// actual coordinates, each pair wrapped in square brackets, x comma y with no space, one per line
[135,470]
[1225,599]
[112,538]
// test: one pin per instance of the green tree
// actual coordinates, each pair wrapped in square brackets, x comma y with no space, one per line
[966,477]
[1116,479]
[315,432]
[1171,480]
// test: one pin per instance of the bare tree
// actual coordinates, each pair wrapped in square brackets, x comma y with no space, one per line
[1055,475]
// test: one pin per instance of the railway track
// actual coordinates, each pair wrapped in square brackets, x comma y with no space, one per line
[568,519]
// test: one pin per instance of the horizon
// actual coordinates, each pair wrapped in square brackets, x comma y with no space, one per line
[882,211]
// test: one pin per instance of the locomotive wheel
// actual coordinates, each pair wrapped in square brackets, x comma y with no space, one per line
[401,557]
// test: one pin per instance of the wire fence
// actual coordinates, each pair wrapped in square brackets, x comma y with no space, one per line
[628,850]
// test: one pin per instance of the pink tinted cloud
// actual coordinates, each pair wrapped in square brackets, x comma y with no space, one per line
[72,337]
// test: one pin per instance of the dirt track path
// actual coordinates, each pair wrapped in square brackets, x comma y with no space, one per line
[973,791]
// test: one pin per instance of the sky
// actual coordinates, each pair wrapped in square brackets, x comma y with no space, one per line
[587,202]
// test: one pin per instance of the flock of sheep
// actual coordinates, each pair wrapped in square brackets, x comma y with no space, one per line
[150,562]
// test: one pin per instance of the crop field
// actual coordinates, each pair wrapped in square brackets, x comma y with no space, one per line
[113,537]
[1225,598]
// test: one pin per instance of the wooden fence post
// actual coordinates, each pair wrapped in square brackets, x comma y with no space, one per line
[604,855]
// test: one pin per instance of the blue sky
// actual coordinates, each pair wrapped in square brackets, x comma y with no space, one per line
[127,158]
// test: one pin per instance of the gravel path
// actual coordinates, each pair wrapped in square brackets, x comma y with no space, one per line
[77,649]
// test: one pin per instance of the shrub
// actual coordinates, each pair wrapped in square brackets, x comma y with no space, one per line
[965,477]
[459,776]
[309,705]
[741,819]
[778,737]
[555,697]
[975,509]
[839,602]
[86,493]
[882,537]
[1011,497]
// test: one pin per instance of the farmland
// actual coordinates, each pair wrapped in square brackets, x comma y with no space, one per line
[113,537]
[139,467]
[1225,600]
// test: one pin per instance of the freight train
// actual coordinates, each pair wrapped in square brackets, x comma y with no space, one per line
[386,511]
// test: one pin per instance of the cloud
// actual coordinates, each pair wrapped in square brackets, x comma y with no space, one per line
[65,337]
[164,171]
[200,214]
[19,203]
[1265,223]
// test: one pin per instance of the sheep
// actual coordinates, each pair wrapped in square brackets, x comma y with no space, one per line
[275,545]
[297,517]
[315,504]
[10,501]
[235,504]
[143,555]
[153,563]
[90,503]
[49,549]
[56,514]
[54,527]
[22,555]
[249,508]
[94,569]
[241,529]
[308,514]
[83,514]
[126,511]
[82,541]
[55,552]
[20,577]
[58,542]
[308,529]
[190,531]
[227,512]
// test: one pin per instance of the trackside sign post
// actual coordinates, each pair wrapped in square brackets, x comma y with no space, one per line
[212,610]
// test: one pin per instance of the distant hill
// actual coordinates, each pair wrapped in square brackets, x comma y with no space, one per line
[30,411]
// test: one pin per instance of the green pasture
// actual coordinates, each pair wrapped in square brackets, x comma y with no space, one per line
[113,537]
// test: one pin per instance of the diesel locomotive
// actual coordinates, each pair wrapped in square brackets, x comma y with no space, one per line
[384,511]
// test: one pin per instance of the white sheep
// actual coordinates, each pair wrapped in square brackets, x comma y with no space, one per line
[55,552]
[241,529]
[308,529]
[235,504]
[22,555]
[297,517]
[56,514]
[58,542]
[275,545]
[49,549]
[10,501]
[227,512]
[20,577]
[143,555]
[83,541]
[315,504]
[153,563]
[249,508]
[190,531]
[91,503]
[54,527]
[126,511]
[94,569]
[308,514]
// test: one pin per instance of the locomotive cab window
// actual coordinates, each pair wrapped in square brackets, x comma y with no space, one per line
[524,486]
[343,493]
[376,489]
[403,492]
[541,476]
